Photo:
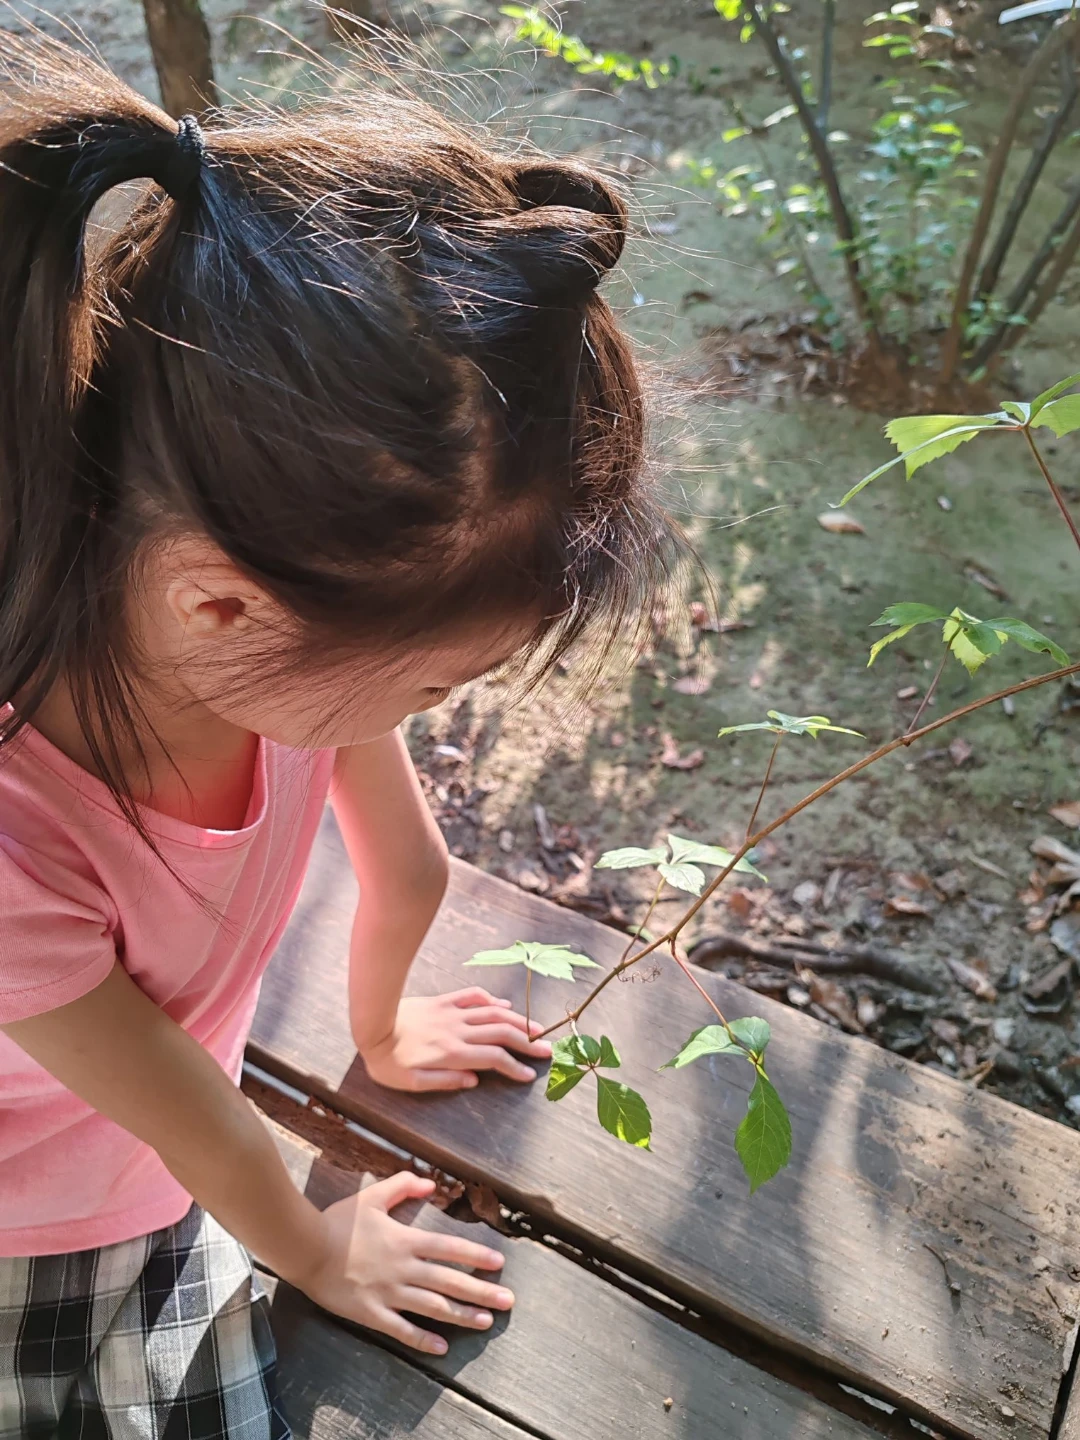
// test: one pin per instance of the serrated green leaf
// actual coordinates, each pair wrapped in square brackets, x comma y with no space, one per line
[1028,638]
[623,1112]
[1062,416]
[922,438]
[919,455]
[968,641]
[684,877]
[609,1056]
[763,1139]
[780,724]
[1041,401]
[879,645]
[1018,409]
[630,858]
[515,954]
[575,1050]
[909,613]
[561,1080]
[554,961]
[754,1033]
[699,854]
[709,1040]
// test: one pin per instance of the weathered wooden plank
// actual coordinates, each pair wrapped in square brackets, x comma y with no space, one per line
[838,1259]
[576,1348]
[336,1386]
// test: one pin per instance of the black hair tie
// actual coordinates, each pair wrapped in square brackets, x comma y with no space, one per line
[184,167]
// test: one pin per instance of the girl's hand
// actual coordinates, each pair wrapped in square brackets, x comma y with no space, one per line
[373,1268]
[439,1043]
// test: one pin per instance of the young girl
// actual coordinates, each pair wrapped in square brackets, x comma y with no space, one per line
[332,423]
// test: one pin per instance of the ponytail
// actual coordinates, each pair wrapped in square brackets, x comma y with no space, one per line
[55,165]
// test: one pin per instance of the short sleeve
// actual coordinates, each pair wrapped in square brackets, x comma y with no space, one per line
[55,942]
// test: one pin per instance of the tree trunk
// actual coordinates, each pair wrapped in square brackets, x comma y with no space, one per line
[180,42]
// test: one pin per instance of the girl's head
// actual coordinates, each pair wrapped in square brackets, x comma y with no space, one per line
[331,422]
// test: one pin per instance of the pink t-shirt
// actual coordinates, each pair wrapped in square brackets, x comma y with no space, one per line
[79,889]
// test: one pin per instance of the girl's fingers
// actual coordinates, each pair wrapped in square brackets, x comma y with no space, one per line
[445,1079]
[385,1194]
[491,1016]
[509,1038]
[398,1328]
[437,1307]
[494,1057]
[453,1250]
[460,1286]
[476,996]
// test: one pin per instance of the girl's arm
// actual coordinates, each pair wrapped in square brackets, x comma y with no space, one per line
[400,860]
[122,1054]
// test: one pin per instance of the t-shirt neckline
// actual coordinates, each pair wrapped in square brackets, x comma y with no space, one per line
[158,824]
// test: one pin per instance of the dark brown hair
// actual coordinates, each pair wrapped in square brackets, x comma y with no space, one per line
[358,348]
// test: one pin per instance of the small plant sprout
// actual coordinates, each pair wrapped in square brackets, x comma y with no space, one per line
[763,1139]
[621,1111]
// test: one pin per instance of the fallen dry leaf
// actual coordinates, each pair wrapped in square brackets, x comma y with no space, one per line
[832,888]
[701,619]
[960,750]
[868,1011]
[544,832]
[905,905]
[692,684]
[1050,992]
[832,999]
[739,902]
[950,884]
[1068,812]
[908,692]
[972,975]
[806,893]
[840,524]
[911,880]
[672,760]
[1047,848]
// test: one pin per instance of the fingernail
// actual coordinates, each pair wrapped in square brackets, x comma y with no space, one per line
[437,1347]
[469,1083]
[495,1259]
[483,1318]
[545,1046]
[504,1298]
[527,1074]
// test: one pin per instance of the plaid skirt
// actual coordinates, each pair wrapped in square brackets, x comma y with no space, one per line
[161,1338]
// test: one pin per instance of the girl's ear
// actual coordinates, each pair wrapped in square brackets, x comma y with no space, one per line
[203,612]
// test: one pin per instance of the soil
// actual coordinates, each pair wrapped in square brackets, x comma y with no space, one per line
[926,856]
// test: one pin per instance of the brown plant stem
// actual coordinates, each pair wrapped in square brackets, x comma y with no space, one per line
[1066,513]
[988,277]
[528,1000]
[685,968]
[1063,259]
[933,685]
[819,146]
[764,784]
[1006,332]
[748,844]
[995,172]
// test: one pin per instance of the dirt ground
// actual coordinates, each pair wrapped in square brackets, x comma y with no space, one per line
[926,858]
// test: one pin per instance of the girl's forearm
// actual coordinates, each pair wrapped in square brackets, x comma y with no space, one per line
[387,933]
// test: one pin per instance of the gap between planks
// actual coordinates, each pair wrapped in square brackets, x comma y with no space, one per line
[624,1360]
[830,1261]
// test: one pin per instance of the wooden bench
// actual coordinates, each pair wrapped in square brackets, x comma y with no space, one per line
[920,1249]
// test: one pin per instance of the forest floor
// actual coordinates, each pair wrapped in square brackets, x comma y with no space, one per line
[927,856]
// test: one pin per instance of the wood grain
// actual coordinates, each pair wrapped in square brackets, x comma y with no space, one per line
[337,1386]
[579,1356]
[837,1259]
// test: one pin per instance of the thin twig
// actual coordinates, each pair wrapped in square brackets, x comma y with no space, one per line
[788,954]
[697,984]
[988,278]
[1066,514]
[748,844]
[764,783]
[933,685]
[648,916]
[826,168]
[1026,283]
[995,172]
[528,1001]
[1063,259]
